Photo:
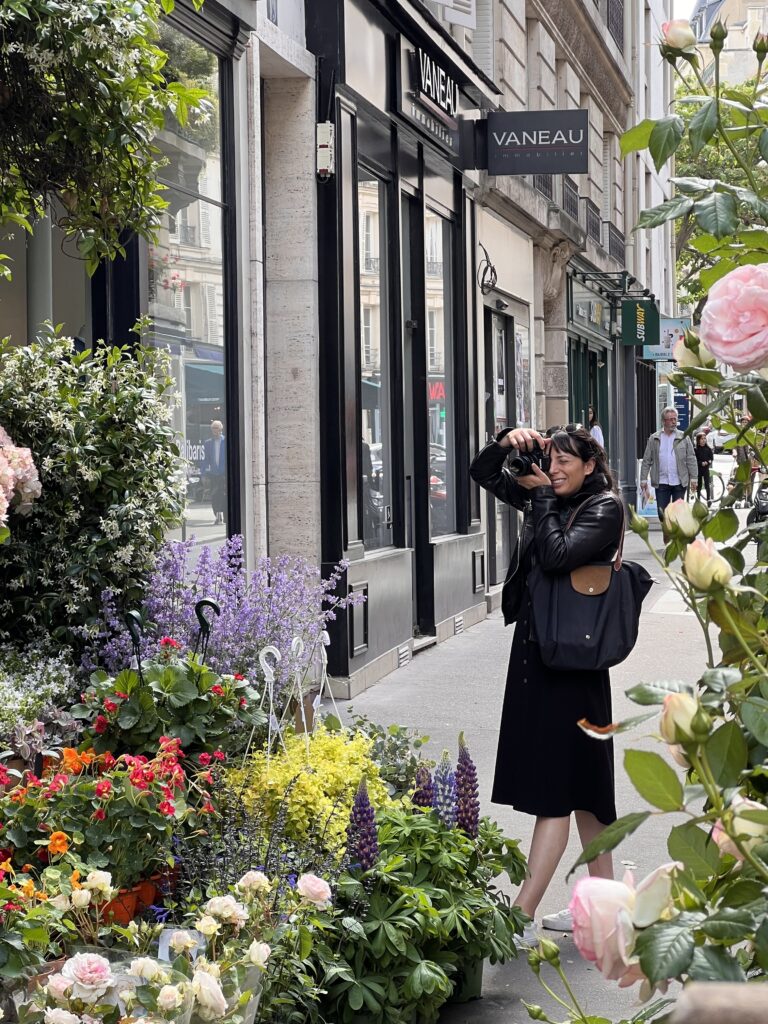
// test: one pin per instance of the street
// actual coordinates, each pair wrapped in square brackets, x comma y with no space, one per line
[459,684]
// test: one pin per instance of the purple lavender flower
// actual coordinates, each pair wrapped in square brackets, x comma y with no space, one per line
[445,791]
[467,792]
[362,837]
[424,793]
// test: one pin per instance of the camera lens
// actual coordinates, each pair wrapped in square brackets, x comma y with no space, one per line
[520,465]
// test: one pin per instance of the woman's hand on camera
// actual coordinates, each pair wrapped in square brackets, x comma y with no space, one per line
[525,439]
[536,478]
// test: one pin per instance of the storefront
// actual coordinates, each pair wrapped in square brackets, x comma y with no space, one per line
[590,354]
[398,352]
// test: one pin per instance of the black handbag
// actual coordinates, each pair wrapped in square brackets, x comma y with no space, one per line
[587,620]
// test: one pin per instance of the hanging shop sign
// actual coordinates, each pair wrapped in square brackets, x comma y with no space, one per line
[538,142]
[639,322]
[429,95]
[671,331]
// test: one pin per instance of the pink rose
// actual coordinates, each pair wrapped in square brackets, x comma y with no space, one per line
[734,325]
[750,833]
[606,914]
[58,987]
[679,35]
[314,890]
[90,975]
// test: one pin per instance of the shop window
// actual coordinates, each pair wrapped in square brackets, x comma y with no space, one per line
[438,235]
[186,289]
[375,372]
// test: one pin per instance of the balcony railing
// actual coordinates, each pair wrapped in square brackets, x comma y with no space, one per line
[188,234]
[434,268]
[616,21]
[371,265]
[544,183]
[594,222]
[616,243]
[570,198]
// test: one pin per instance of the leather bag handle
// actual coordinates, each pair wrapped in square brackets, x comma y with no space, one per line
[619,554]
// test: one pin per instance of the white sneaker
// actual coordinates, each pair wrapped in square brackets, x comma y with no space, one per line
[530,937]
[562,921]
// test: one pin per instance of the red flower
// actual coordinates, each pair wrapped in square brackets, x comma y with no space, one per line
[32,780]
[100,725]
[205,760]
[208,808]
[12,906]
[99,814]
[169,643]
[5,778]
[109,761]
[166,808]
[109,706]
[243,702]
[220,755]
[218,690]
[239,676]
[121,695]
[137,779]
[207,778]
[103,788]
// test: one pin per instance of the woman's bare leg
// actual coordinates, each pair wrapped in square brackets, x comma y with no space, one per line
[590,828]
[550,838]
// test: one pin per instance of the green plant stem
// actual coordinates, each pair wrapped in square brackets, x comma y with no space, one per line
[569,990]
[688,601]
[745,646]
[557,998]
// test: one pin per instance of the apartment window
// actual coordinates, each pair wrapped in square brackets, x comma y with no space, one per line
[366,326]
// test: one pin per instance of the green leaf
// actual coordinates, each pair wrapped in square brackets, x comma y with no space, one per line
[761,944]
[654,693]
[637,137]
[610,837]
[691,845]
[669,210]
[727,753]
[717,213]
[654,779]
[762,143]
[664,139]
[703,126]
[704,243]
[713,963]
[754,715]
[722,526]
[665,950]
[730,924]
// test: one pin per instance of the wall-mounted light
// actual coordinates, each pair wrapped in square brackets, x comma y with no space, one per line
[501,304]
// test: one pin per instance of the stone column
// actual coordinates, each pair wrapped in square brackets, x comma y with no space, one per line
[553,289]
[39,277]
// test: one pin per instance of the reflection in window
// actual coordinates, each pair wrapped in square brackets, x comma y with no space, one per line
[185,288]
[440,403]
[376,458]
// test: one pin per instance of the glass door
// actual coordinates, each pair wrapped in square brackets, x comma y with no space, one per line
[500,392]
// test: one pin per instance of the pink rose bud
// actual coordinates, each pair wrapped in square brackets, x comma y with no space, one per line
[676,716]
[704,567]
[734,324]
[680,521]
[679,35]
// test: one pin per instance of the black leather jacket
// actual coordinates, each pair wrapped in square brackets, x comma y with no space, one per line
[593,537]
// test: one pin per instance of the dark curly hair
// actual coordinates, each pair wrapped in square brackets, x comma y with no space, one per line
[575,440]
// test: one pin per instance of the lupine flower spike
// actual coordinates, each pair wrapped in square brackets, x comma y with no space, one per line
[445,790]
[424,793]
[467,792]
[362,837]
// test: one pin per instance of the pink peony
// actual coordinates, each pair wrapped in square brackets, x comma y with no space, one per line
[734,325]
[90,975]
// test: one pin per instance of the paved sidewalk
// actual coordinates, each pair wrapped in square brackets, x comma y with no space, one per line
[459,686]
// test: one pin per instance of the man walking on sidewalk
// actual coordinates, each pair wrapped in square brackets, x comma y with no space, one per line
[670,457]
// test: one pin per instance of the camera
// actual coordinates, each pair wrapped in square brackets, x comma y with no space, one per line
[522,463]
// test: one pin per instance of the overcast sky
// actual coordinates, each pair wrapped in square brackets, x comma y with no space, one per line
[683,8]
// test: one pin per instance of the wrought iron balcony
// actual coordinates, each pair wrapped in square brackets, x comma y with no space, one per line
[615,19]
[616,244]
[570,198]
[544,183]
[434,268]
[594,222]
[371,265]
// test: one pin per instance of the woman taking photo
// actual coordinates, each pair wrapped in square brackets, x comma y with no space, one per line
[545,765]
[704,459]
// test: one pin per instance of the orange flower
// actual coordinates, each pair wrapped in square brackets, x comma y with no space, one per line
[86,756]
[70,760]
[28,890]
[74,880]
[42,896]
[28,869]
[7,866]
[58,843]
[18,795]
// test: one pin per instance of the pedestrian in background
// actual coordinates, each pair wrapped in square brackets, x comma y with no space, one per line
[704,460]
[214,468]
[671,461]
[594,426]
[545,765]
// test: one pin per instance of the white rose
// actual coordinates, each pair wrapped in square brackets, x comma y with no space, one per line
[81,898]
[60,902]
[170,997]
[208,996]
[100,881]
[314,890]
[207,925]
[227,909]
[258,953]
[679,35]
[59,1016]
[90,974]
[208,967]
[182,942]
[254,882]
[704,567]
[144,967]
[684,356]
[680,520]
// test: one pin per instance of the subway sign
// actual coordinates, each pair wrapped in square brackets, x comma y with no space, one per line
[639,322]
